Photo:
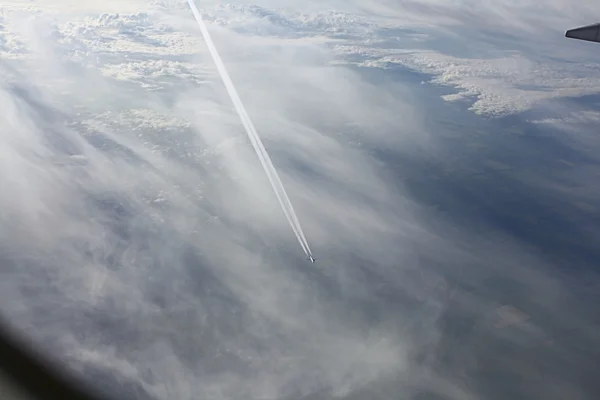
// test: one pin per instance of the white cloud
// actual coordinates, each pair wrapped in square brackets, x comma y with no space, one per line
[76,7]
[141,236]
[148,71]
[122,229]
[512,77]
[500,86]
[575,118]
[509,81]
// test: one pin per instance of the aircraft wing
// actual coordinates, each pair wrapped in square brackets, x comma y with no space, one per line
[591,33]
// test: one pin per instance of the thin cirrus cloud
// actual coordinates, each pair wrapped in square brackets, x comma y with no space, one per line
[146,250]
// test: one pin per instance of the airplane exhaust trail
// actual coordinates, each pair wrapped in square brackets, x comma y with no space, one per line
[259,148]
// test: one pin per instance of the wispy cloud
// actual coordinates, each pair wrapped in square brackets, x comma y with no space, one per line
[142,245]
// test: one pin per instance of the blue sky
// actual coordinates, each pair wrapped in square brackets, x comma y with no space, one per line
[441,156]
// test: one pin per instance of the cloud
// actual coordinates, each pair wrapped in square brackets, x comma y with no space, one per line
[499,86]
[514,75]
[141,224]
[525,62]
[143,246]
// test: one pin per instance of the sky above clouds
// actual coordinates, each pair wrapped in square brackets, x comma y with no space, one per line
[440,156]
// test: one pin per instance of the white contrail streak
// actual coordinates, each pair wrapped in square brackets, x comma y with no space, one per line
[259,148]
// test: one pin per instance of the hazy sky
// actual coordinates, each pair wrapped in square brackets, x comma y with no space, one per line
[440,156]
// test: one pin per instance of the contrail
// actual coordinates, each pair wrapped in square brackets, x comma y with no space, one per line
[259,148]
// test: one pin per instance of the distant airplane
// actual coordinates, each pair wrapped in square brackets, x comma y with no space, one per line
[590,33]
[312,259]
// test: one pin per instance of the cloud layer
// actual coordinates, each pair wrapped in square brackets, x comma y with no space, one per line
[141,244]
